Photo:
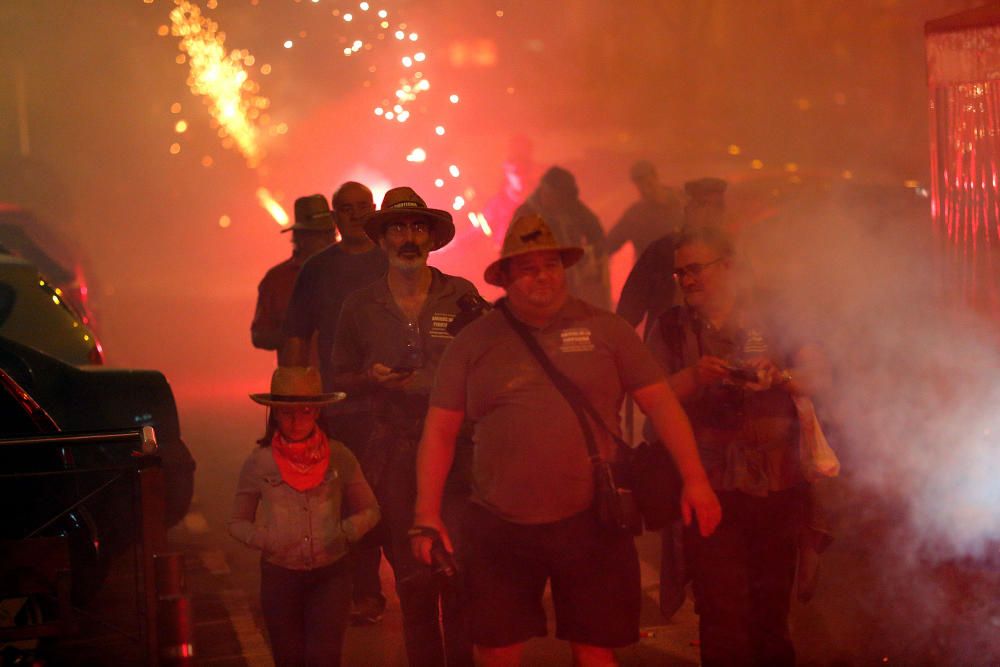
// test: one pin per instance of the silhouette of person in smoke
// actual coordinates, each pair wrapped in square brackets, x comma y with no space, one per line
[557,201]
[311,233]
[649,289]
[657,212]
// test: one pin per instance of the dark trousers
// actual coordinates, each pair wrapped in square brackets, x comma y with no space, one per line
[306,613]
[435,623]
[743,576]
[353,429]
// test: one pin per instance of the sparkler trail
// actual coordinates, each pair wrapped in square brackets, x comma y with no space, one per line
[234,101]
[233,98]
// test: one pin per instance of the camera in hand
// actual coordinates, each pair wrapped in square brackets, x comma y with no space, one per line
[442,560]
[471,306]
[742,374]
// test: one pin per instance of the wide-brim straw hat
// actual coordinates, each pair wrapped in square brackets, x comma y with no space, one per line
[297,386]
[312,214]
[529,233]
[403,201]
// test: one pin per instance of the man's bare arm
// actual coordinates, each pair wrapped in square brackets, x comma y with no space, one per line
[434,458]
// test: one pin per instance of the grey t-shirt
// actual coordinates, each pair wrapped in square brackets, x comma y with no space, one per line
[530,463]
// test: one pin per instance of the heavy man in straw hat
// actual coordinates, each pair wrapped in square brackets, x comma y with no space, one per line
[531,519]
[390,337]
[311,233]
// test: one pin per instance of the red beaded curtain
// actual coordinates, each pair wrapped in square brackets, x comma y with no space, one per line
[963,63]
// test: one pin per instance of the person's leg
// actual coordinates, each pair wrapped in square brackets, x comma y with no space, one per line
[281,601]
[369,602]
[353,430]
[327,607]
[454,603]
[505,581]
[775,527]
[596,589]
[592,656]
[721,586]
[418,592]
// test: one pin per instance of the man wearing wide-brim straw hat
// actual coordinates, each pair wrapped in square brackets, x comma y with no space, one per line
[311,233]
[390,337]
[531,520]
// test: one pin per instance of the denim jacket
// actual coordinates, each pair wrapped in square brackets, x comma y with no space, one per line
[302,530]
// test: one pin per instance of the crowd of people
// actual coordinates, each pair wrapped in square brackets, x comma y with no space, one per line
[464,440]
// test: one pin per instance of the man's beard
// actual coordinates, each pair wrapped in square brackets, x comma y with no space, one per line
[415,261]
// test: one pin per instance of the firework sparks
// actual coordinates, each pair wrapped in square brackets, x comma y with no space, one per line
[272,206]
[221,78]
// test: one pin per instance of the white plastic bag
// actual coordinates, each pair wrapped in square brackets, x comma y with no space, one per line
[817,457]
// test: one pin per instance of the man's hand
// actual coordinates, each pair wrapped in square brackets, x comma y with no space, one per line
[710,370]
[700,500]
[421,545]
[385,377]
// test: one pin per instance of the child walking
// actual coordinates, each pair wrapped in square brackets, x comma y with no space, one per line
[301,500]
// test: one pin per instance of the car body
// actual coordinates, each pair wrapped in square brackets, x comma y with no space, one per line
[35,312]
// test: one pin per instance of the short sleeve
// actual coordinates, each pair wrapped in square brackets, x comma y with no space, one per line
[450,381]
[636,366]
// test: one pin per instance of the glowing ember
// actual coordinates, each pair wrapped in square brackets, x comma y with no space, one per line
[220,77]
[272,206]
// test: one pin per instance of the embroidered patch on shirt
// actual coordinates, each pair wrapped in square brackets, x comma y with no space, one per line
[576,340]
[439,325]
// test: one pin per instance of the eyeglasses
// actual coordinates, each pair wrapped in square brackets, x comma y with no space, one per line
[400,228]
[694,270]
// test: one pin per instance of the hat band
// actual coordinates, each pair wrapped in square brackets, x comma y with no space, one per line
[295,398]
[406,204]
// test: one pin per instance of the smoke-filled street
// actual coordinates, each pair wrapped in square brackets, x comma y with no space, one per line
[465,256]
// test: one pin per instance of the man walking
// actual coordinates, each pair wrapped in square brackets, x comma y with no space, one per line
[311,233]
[389,340]
[532,519]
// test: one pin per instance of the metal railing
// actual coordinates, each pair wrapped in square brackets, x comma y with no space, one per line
[147,501]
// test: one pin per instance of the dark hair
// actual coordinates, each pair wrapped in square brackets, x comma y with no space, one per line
[349,184]
[272,426]
[562,181]
[711,235]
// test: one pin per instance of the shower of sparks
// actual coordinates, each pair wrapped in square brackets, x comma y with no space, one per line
[222,78]
[239,111]
[272,206]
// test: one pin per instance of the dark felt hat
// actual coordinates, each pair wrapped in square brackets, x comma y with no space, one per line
[312,214]
[403,201]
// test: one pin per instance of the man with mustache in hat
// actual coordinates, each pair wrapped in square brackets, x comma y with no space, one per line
[390,337]
[311,233]
[532,519]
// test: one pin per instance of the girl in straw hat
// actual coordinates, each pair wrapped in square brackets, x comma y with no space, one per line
[293,491]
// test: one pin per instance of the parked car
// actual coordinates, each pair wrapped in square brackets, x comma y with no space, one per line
[24,235]
[35,312]
[96,398]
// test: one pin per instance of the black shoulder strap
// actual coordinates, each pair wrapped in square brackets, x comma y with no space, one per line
[574,396]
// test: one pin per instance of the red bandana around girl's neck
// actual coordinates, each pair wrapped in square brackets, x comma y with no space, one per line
[302,463]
